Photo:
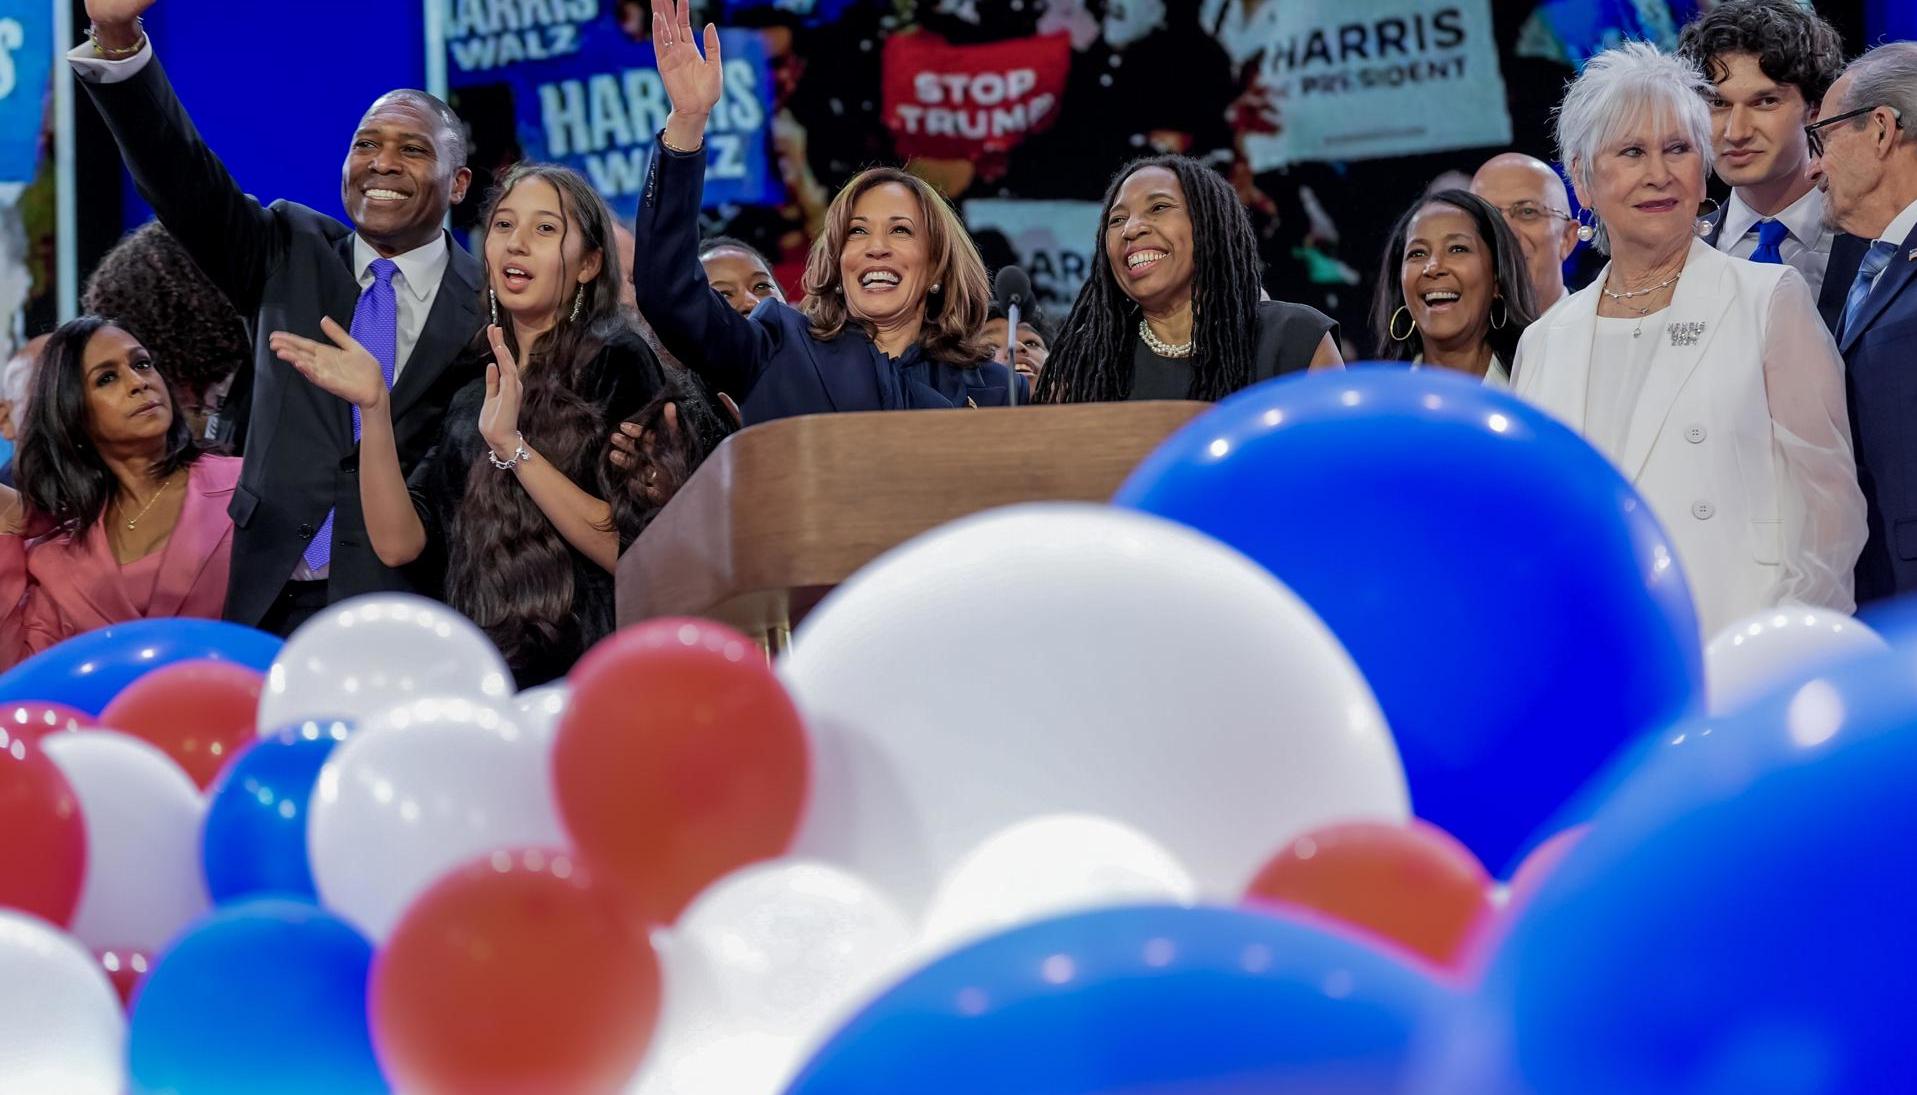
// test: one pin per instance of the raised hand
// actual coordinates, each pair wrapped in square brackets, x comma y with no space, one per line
[692,82]
[499,414]
[346,369]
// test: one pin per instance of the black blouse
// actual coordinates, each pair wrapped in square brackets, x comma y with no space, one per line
[620,380]
[1288,338]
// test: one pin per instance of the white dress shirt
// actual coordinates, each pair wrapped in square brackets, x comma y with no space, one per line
[414,288]
[1806,249]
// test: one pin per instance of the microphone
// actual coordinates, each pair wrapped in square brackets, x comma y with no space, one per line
[1011,289]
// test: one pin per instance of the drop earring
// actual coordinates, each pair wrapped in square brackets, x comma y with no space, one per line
[578,302]
[493,298]
[1587,229]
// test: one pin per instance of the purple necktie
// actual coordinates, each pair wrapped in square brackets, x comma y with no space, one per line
[376,327]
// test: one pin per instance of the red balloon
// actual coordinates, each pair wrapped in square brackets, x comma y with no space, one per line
[200,713]
[679,758]
[126,968]
[43,839]
[34,719]
[514,973]
[1413,884]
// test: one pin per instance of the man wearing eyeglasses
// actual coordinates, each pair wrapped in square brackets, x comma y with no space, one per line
[1532,198]
[1864,158]
[1770,62]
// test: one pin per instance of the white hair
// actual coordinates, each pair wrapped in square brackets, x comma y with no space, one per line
[1618,91]
[1886,76]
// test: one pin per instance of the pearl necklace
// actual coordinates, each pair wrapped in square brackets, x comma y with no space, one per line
[1159,346]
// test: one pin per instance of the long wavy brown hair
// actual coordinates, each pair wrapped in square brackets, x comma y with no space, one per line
[954,316]
[508,568]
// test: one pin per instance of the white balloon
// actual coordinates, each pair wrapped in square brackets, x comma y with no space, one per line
[1770,649]
[64,1031]
[1068,658]
[367,654]
[143,814]
[537,710]
[1049,866]
[763,966]
[419,790]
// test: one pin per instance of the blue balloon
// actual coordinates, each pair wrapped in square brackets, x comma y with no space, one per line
[1138,999]
[88,670]
[265,995]
[1513,603]
[1736,922]
[254,840]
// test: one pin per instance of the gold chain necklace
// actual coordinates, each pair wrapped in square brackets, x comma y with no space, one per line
[138,517]
[1159,346]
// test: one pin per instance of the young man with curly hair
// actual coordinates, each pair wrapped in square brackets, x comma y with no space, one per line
[1771,62]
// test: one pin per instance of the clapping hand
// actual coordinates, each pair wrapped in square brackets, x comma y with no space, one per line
[346,369]
[499,414]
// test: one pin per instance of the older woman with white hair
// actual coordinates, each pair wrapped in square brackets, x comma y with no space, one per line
[1708,380]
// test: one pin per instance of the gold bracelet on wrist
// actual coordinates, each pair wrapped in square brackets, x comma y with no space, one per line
[93,35]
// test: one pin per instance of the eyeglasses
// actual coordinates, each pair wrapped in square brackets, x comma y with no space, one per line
[1813,135]
[1530,213]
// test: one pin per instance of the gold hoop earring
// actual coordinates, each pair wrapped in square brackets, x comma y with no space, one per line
[578,302]
[1502,317]
[1391,328]
[1587,229]
[493,299]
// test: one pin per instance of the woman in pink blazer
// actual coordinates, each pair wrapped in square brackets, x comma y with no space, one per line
[119,515]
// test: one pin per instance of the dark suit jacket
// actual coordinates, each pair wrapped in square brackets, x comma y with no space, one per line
[1846,252]
[285,266]
[770,362]
[1880,359]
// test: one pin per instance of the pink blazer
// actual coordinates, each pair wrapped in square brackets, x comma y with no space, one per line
[55,588]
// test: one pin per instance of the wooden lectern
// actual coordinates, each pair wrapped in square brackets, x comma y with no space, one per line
[785,511]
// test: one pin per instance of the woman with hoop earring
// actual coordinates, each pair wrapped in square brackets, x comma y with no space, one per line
[1453,290]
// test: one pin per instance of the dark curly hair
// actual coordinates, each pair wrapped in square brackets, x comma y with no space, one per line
[155,292]
[1507,266]
[1793,45]
[1092,359]
[508,567]
[61,473]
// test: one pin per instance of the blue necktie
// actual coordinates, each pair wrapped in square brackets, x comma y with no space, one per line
[1874,262]
[1769,235]
[376,327]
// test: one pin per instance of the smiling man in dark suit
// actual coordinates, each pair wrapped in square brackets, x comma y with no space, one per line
[394,276]
[1864,156]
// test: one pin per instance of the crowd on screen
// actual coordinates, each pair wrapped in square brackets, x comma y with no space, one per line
[266,409]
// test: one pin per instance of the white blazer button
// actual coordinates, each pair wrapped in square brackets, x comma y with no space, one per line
[1702,510]
[1694,433]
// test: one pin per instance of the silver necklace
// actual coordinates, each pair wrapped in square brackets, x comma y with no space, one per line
[1159,346]
[1638,330]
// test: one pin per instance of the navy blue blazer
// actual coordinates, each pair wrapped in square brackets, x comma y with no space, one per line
[1880,349]
[1846,254]
[770,362]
